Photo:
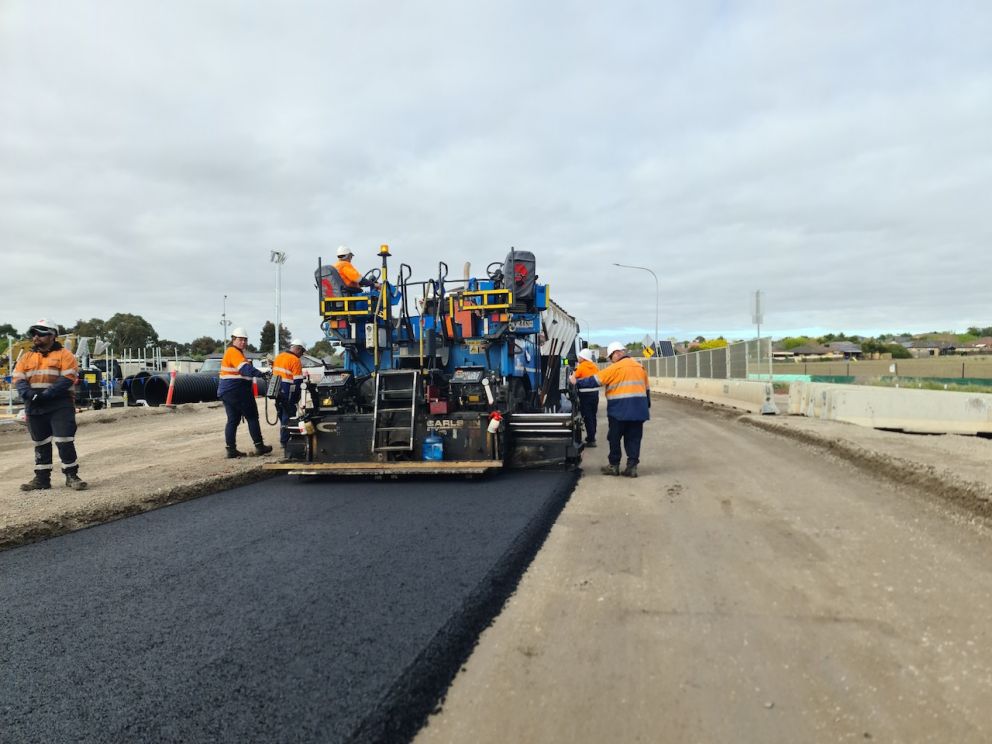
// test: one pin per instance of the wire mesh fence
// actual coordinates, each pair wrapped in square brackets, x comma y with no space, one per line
[743,360]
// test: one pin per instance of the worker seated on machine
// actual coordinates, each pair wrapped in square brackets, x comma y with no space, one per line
[351,281]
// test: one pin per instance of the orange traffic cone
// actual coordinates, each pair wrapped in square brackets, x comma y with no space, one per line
[172,388]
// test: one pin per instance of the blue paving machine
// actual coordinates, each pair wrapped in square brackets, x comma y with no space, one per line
[440,376]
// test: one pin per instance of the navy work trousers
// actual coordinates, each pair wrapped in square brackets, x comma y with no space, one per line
[240,403]
[588,406]
[630,432]
[285,410]
[56,425]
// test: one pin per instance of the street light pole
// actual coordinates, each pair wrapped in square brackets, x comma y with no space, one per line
[657,298]
[278,258]
[224,322]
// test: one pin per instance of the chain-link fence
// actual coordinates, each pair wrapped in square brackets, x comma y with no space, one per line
[743,360]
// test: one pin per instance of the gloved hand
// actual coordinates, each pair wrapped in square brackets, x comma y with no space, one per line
[45,394]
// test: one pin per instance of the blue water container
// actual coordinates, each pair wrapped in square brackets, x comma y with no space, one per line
[433,447]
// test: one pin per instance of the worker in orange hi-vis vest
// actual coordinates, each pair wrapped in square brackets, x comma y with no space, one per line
[588,397]
[352,280]
[44,378]
[287,367]
[628,398]
[235,391]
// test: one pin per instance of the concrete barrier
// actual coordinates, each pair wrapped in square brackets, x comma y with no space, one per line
[916,411]
[756,397]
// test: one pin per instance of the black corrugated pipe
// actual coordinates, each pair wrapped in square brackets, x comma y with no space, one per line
[191,388]
[134,386]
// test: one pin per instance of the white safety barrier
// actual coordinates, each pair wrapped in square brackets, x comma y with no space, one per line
[917,411]
[756,397]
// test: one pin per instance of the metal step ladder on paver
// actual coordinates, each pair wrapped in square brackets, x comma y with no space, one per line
[395,407]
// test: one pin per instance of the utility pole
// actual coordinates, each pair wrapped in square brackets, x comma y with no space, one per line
[224,322]
[278,258]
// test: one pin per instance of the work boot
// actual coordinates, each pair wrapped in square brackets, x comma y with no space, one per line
[590,444]
[610,469]
[630,471]
[36,484]
[232,453]
[74,482]
[262,449]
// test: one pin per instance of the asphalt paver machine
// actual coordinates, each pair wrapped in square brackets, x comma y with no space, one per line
[442,375]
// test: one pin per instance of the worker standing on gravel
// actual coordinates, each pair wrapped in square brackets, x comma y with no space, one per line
[44,378]
[353,281]
[628,398]
[235,390]
[588,397]
[289,370]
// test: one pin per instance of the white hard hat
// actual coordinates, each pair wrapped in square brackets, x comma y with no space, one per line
[586,354]
[614,346]
[50,327]
[239,332]
[343,251]
[298,342]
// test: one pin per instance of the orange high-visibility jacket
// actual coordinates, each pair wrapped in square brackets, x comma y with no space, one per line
[56,371]
[627,391]
[585,369]
[235,371]
[288,368]
[349,274]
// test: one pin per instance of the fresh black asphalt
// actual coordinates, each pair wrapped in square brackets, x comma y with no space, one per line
[277,612]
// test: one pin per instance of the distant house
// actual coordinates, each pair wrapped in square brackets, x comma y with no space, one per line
[808,353]
[846,349]
[183,365]
[978,346]
[918,348]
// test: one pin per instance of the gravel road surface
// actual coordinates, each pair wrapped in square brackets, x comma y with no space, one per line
[749,587]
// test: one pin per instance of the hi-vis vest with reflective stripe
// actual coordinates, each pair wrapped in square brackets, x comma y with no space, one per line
[236,372]
[585,369]
[231,364]
[288,367]
[41,371]
[626,385]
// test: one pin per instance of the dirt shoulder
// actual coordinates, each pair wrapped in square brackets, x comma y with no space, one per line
[748,588]
[134,459]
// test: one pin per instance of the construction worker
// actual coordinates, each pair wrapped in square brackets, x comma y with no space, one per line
[44,378]
[588,397]
[288,369]
[352,280]
[235,390]
[628,398]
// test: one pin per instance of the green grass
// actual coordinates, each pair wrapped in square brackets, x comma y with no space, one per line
[916,384]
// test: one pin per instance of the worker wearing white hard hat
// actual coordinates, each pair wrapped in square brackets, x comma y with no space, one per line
[287,367]
[589,396]
[44,378]
[628,398]
[350,278]
[236,391]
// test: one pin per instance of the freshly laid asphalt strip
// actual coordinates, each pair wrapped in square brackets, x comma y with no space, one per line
[280,611]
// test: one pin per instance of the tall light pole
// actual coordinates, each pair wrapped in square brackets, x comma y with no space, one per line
[224,322]
[278,258]
[657,298]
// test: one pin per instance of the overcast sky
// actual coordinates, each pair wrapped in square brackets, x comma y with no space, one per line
[835,155]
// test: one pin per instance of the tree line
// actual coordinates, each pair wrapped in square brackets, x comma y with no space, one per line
[128,331]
